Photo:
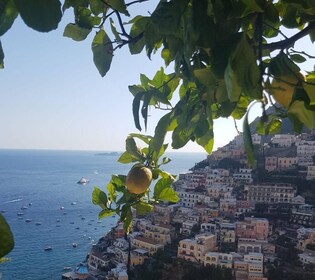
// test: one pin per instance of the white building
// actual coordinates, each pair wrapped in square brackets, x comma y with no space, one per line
[244,175]
[190,199]
[305,152]
[310,172]
[283,140]
[218,259]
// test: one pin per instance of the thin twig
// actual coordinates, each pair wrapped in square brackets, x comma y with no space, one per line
[137,1]
[275,29]
[304,53]
[235,125]
[280,45]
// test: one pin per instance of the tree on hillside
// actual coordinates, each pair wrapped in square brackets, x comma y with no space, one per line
[221,57]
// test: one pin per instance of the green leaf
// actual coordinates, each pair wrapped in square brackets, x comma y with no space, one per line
[85,19]
[8,14]
[166,160]
[97,7]
[156,144]
[111,192]
[242,73]
[118,5]
[105,213]
[298,111]
[145,107]
[75,32]
[168,194]
[206,141]
[1,57]
[161,185]
[143,208]
[6,237]
[310,90]
[118,180]
[281,65]
[136,32]
[99,198]
[114,30]
[145,138]
[167,16]
[132,149]
[248,144]
[180,137]
[298,58]
[127,158]
[126,217]
[135,109]
[233,88]
[40,15]
[102,52]
[271,127]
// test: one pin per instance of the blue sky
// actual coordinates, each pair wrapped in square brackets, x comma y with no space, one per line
[52,96]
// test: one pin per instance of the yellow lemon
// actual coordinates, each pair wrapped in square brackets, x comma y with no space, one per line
[282,89]
[138,179]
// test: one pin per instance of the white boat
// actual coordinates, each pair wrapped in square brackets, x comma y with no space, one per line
[83,181]
[74,245]
[62,208]
[20,214]
[24,207]
[67,268]
[28,220]
[73,203]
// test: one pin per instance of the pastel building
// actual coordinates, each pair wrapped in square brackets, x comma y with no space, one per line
[194,250]
[244,175]
[283,140]
[190,199]
[256,228]
[147,244]
[271,193]
[218,259]
[251,268]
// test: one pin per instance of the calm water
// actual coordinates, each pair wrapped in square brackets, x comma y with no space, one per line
[45,181]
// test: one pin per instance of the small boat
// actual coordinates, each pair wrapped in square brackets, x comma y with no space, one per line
[24,207]
[28,220]
[30,204]
[74,245]
[67,268]
[73,203]
[20,214]
[58,220]
[2,211]
[83,181]
[77,228]
[62,208]
[38,223]
[82,218]
[48,248]
[72,223]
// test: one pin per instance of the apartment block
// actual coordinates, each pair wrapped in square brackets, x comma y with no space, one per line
[195,249]
[255,228]
[271,193]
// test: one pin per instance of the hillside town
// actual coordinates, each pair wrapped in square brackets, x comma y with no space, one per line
[255,223]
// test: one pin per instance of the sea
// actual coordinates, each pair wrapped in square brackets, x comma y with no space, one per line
[44,206]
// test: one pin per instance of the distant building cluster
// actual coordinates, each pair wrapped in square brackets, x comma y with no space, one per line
[226,216]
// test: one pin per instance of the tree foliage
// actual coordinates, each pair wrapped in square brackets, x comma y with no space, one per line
[221,57]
